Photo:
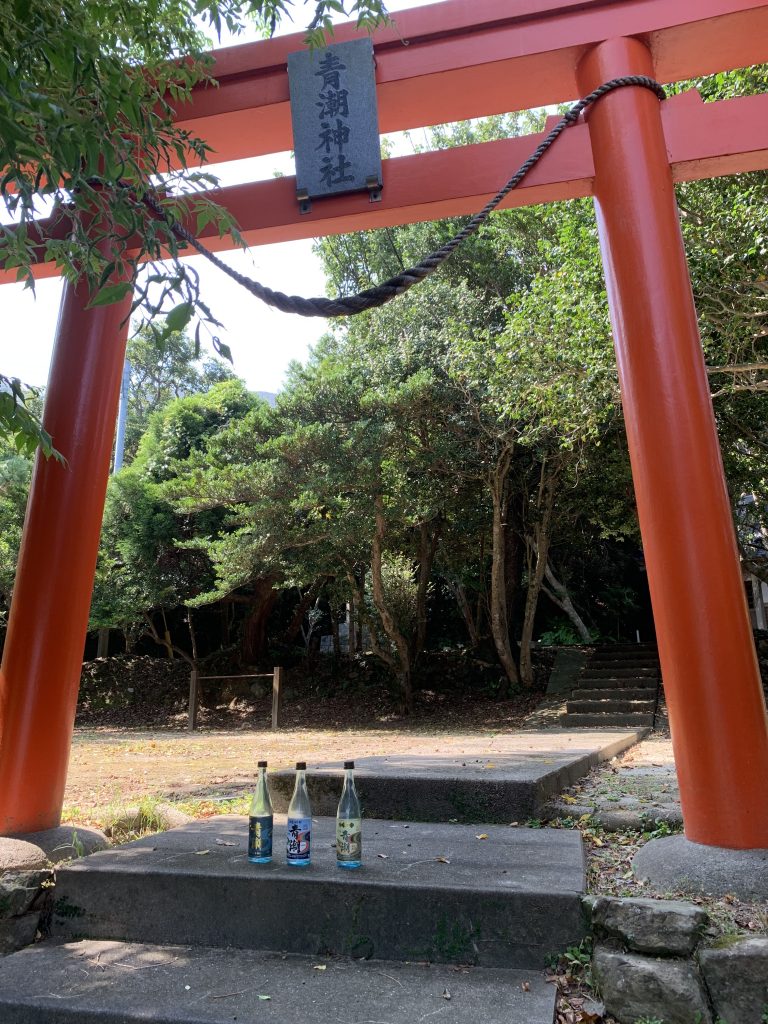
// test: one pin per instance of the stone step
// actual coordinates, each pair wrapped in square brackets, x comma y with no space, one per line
[508,779]
[618,693]
[117,983]
[623,663]
[608,683]
[642,648]
[611,705]
[607,721]
[425,892]
[621,672]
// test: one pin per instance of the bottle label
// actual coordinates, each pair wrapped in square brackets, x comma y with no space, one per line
[349,839]
[260,836]
[299,838]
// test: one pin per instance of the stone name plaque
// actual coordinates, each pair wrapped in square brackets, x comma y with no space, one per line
[335,119]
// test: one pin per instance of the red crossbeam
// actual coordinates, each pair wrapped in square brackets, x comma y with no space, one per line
[470,58]
[704,140]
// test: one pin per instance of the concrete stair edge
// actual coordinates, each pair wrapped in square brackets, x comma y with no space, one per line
[608,721]
[175,985]
[439,894]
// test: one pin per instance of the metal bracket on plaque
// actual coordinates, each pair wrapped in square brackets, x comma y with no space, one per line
[305,203]
[373,184]
[335,122]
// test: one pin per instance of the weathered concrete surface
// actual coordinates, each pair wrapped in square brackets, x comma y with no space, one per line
[658,927]
[425,892]
[569,661]
[18,932]
[510,782]
[18,855]
[95,981]
[737,979]
[634,987]
[675,864]
[68,841]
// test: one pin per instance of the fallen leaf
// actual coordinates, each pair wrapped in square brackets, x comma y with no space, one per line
[223,842]
[319,967]
[490,765]
[483,835]
[384,856]
[525,986]
[446,994]
[442,860]
[201,853]
[597,842]
[264,998]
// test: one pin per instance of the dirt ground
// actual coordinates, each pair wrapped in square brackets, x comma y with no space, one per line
[113,766]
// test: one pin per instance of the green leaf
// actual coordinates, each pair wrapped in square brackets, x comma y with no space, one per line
[111,293]
[179,316]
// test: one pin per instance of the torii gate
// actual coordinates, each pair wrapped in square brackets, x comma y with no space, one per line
[468,58]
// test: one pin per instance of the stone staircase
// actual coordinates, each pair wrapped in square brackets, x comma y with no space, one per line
[618,687]
[447,922]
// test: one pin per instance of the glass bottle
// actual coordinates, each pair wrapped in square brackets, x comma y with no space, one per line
[349,829]
[298,840]
[260,821]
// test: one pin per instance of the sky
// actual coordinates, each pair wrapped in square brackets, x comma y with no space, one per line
[263,341]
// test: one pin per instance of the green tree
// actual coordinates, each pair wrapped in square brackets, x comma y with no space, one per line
[161,373]
[88,94]
[143,564]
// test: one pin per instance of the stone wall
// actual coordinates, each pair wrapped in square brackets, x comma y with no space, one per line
[26,888]
[651,961]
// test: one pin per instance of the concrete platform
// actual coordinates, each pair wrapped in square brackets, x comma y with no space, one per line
[113,983]
[676,864]
[498,779]
[425,892]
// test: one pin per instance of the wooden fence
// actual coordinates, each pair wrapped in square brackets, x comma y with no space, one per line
[277,676]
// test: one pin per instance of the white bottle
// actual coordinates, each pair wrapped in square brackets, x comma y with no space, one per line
[299,836]
[349,827]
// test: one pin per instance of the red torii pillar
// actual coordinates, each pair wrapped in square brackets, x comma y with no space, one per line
[42,658]
[711,677]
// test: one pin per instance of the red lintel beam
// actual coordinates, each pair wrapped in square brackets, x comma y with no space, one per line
[703,140]
[471,58]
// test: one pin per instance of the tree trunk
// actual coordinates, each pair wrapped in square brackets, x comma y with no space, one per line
[167,637]
[499,610]
[350,621]
[428,542]
[458,591]
[102,645]
[538,554]
[364,617]
[254,638]
[307,600]
[399,642]
[335,633]
[559,595]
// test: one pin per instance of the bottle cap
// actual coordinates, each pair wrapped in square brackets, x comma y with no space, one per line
[262,764]
[349,764]
[301,766]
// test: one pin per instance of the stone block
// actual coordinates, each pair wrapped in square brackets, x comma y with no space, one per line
[19,891]
[17,932]
[635,986]
[658,927]
[66,842]
[737,979]
[18,855]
